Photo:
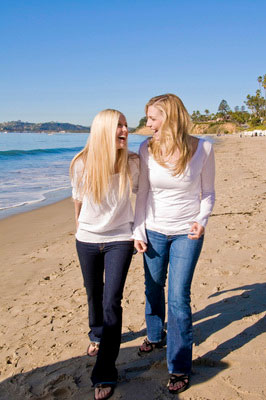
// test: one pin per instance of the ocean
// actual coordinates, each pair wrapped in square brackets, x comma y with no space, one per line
[34,168]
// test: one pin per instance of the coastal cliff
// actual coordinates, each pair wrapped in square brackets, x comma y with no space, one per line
[200,128]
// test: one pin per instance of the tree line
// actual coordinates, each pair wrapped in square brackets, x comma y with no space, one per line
[256,104]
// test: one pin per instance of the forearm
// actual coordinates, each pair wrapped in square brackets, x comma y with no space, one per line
[207,190]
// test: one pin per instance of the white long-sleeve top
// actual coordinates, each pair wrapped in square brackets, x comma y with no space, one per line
[171,204]
[112,219]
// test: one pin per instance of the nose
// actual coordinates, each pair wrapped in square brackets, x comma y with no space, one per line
[148,123]
[124,128]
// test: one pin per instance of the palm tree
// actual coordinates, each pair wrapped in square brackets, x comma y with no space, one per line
[264,84]
[207,112]
[264,87]
[259,79]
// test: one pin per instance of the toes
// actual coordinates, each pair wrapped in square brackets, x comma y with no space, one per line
[102,393]
[178,383]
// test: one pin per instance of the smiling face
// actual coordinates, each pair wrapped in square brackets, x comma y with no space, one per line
[121,133]
[154,121]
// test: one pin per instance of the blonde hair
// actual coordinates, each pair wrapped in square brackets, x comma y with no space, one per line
[101,159]
[174,132]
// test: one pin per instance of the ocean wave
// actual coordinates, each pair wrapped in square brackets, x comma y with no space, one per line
[39,197]
[37,152]
[20,204]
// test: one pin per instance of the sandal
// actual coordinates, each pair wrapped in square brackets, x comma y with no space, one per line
[148,346]
[174,379]
[93,349]
[102,386]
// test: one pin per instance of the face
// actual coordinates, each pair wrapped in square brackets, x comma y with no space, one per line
[154,121]
[121,133]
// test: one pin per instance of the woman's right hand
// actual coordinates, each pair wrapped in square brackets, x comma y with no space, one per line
[140,246]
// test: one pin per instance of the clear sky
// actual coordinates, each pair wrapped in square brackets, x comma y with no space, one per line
[65,60]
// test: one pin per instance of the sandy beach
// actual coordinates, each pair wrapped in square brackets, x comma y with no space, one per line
[44,311]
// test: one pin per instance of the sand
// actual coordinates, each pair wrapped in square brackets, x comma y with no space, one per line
[44,311]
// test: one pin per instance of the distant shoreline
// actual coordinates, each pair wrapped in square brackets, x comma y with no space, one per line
[45,127]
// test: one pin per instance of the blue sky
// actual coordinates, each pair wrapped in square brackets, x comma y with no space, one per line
[65,60]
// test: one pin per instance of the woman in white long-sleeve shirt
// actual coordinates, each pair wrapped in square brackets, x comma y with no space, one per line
[103,175]
[175,198]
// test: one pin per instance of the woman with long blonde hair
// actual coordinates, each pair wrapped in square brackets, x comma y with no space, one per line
[103,176]
[175,198]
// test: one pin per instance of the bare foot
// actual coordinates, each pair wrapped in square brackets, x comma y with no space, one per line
[178,383]
[103,392]
[93,349]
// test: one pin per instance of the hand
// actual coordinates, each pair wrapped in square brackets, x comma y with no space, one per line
[197,231]
[140,246]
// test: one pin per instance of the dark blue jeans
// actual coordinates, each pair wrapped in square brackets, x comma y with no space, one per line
[182,255]
[104,268]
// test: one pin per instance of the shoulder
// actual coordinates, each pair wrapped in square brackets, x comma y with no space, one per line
[207,146]
[145,143]
[201,148]
[132,156]
[143,149]
[133,160]
[78,165]
[194,143]
[201,144]
[206,152]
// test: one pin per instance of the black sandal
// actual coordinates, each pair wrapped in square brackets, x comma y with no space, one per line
[148,346]
[104,386]
[184,379]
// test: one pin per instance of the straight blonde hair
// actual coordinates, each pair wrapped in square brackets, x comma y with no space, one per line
[101,159]
[174,132]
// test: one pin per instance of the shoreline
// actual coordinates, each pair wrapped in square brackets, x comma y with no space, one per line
[44,312]
[51,197]
[29,232]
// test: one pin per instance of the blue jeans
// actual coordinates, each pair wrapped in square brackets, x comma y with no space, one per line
[111,259]
[182,255]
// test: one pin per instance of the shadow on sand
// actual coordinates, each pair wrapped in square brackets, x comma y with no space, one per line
[145,377]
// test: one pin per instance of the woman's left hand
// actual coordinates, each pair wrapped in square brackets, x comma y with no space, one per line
[196,231]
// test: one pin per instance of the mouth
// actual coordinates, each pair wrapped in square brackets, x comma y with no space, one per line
[155,134]
[122,138]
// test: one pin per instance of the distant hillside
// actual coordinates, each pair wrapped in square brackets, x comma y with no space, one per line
[144,130]
[201,128]
[214,127]
[19,126]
